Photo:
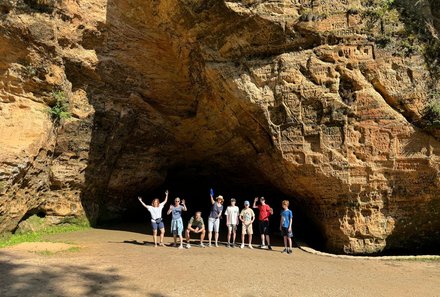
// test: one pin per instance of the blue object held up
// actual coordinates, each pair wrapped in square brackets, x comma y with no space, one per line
[212,192]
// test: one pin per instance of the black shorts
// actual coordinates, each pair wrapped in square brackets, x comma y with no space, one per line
[285,232]
[263,226]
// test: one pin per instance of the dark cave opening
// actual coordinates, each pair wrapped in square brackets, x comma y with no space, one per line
[193,183]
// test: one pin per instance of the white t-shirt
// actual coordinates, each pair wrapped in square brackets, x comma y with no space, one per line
[232,215]
[156,212]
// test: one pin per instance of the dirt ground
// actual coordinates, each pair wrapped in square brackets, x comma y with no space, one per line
[119,263]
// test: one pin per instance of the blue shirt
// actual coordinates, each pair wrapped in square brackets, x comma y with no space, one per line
[176,212]
[286,215]
[215,210]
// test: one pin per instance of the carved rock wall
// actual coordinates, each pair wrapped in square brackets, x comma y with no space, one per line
[291,94]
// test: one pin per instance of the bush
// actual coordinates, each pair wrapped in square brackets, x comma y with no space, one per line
[432,110]
[60,110]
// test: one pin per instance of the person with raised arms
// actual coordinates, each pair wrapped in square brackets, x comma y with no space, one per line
[214,217]
[176,220]
[155,210]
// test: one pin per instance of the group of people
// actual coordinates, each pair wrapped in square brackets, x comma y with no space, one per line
[233,217]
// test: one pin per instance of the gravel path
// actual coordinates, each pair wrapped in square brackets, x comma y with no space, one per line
[118,263]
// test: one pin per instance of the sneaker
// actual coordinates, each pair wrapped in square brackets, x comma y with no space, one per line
[242,246]
[284,251]
[180,247]
[251,247]
[269,247]
[188,246]
[202,245]
[289,251]
[216,245]
[263,247]
[233,245]
[228,245]
[209,245]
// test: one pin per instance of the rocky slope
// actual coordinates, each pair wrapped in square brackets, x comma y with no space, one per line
[299,96]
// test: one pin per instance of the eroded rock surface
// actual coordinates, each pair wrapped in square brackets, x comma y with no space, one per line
[292,94]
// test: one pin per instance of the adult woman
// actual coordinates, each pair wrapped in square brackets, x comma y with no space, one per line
[214,218]
[176,221]
[155,210]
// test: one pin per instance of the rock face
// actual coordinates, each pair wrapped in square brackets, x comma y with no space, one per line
[295,96]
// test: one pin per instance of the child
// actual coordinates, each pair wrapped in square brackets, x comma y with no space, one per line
[176,221]
[247,217]
[195,225]
[286,227]
[214,217]
[232,222]
[155,210]
[263,221]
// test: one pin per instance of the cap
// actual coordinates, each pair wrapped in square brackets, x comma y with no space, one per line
[247,203]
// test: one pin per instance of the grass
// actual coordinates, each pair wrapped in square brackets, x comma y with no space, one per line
[419,259]
[15,239]
[72,249]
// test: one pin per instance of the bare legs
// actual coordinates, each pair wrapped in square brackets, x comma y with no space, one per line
[188,237]
[265,239]
[250,241]
[162,234]
[155,237]
[268,240]
[234,235]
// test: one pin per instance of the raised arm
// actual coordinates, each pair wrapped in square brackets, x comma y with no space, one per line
[170,210]
[255,203]
[212,196]
[184,205]
[166,197]
[142,202]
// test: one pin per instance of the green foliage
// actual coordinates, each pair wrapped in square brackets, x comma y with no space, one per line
[9,240]
[432,111]
[60,110]
[72,249]
[29,71]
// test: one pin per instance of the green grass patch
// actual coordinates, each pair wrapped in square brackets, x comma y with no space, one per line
[14,239]
[416,259]
[72,249]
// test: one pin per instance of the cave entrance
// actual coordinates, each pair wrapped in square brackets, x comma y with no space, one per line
[193,184]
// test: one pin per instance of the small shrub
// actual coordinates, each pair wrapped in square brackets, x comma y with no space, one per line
[60,110]
[432,110]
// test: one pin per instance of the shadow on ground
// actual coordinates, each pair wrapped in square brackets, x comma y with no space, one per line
[19,279]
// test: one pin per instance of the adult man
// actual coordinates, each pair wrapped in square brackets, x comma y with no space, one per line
[195,225]
[263,221]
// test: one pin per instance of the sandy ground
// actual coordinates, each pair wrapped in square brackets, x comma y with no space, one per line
[118,263]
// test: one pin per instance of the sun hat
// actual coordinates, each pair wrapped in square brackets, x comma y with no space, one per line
[220,197]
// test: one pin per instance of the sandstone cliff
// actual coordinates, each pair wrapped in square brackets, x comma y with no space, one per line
[320,100]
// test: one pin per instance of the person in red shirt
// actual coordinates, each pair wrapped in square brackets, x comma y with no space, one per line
[263,221]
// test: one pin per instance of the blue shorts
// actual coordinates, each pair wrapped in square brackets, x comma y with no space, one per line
[156,226]
[285,232]
[177,227]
